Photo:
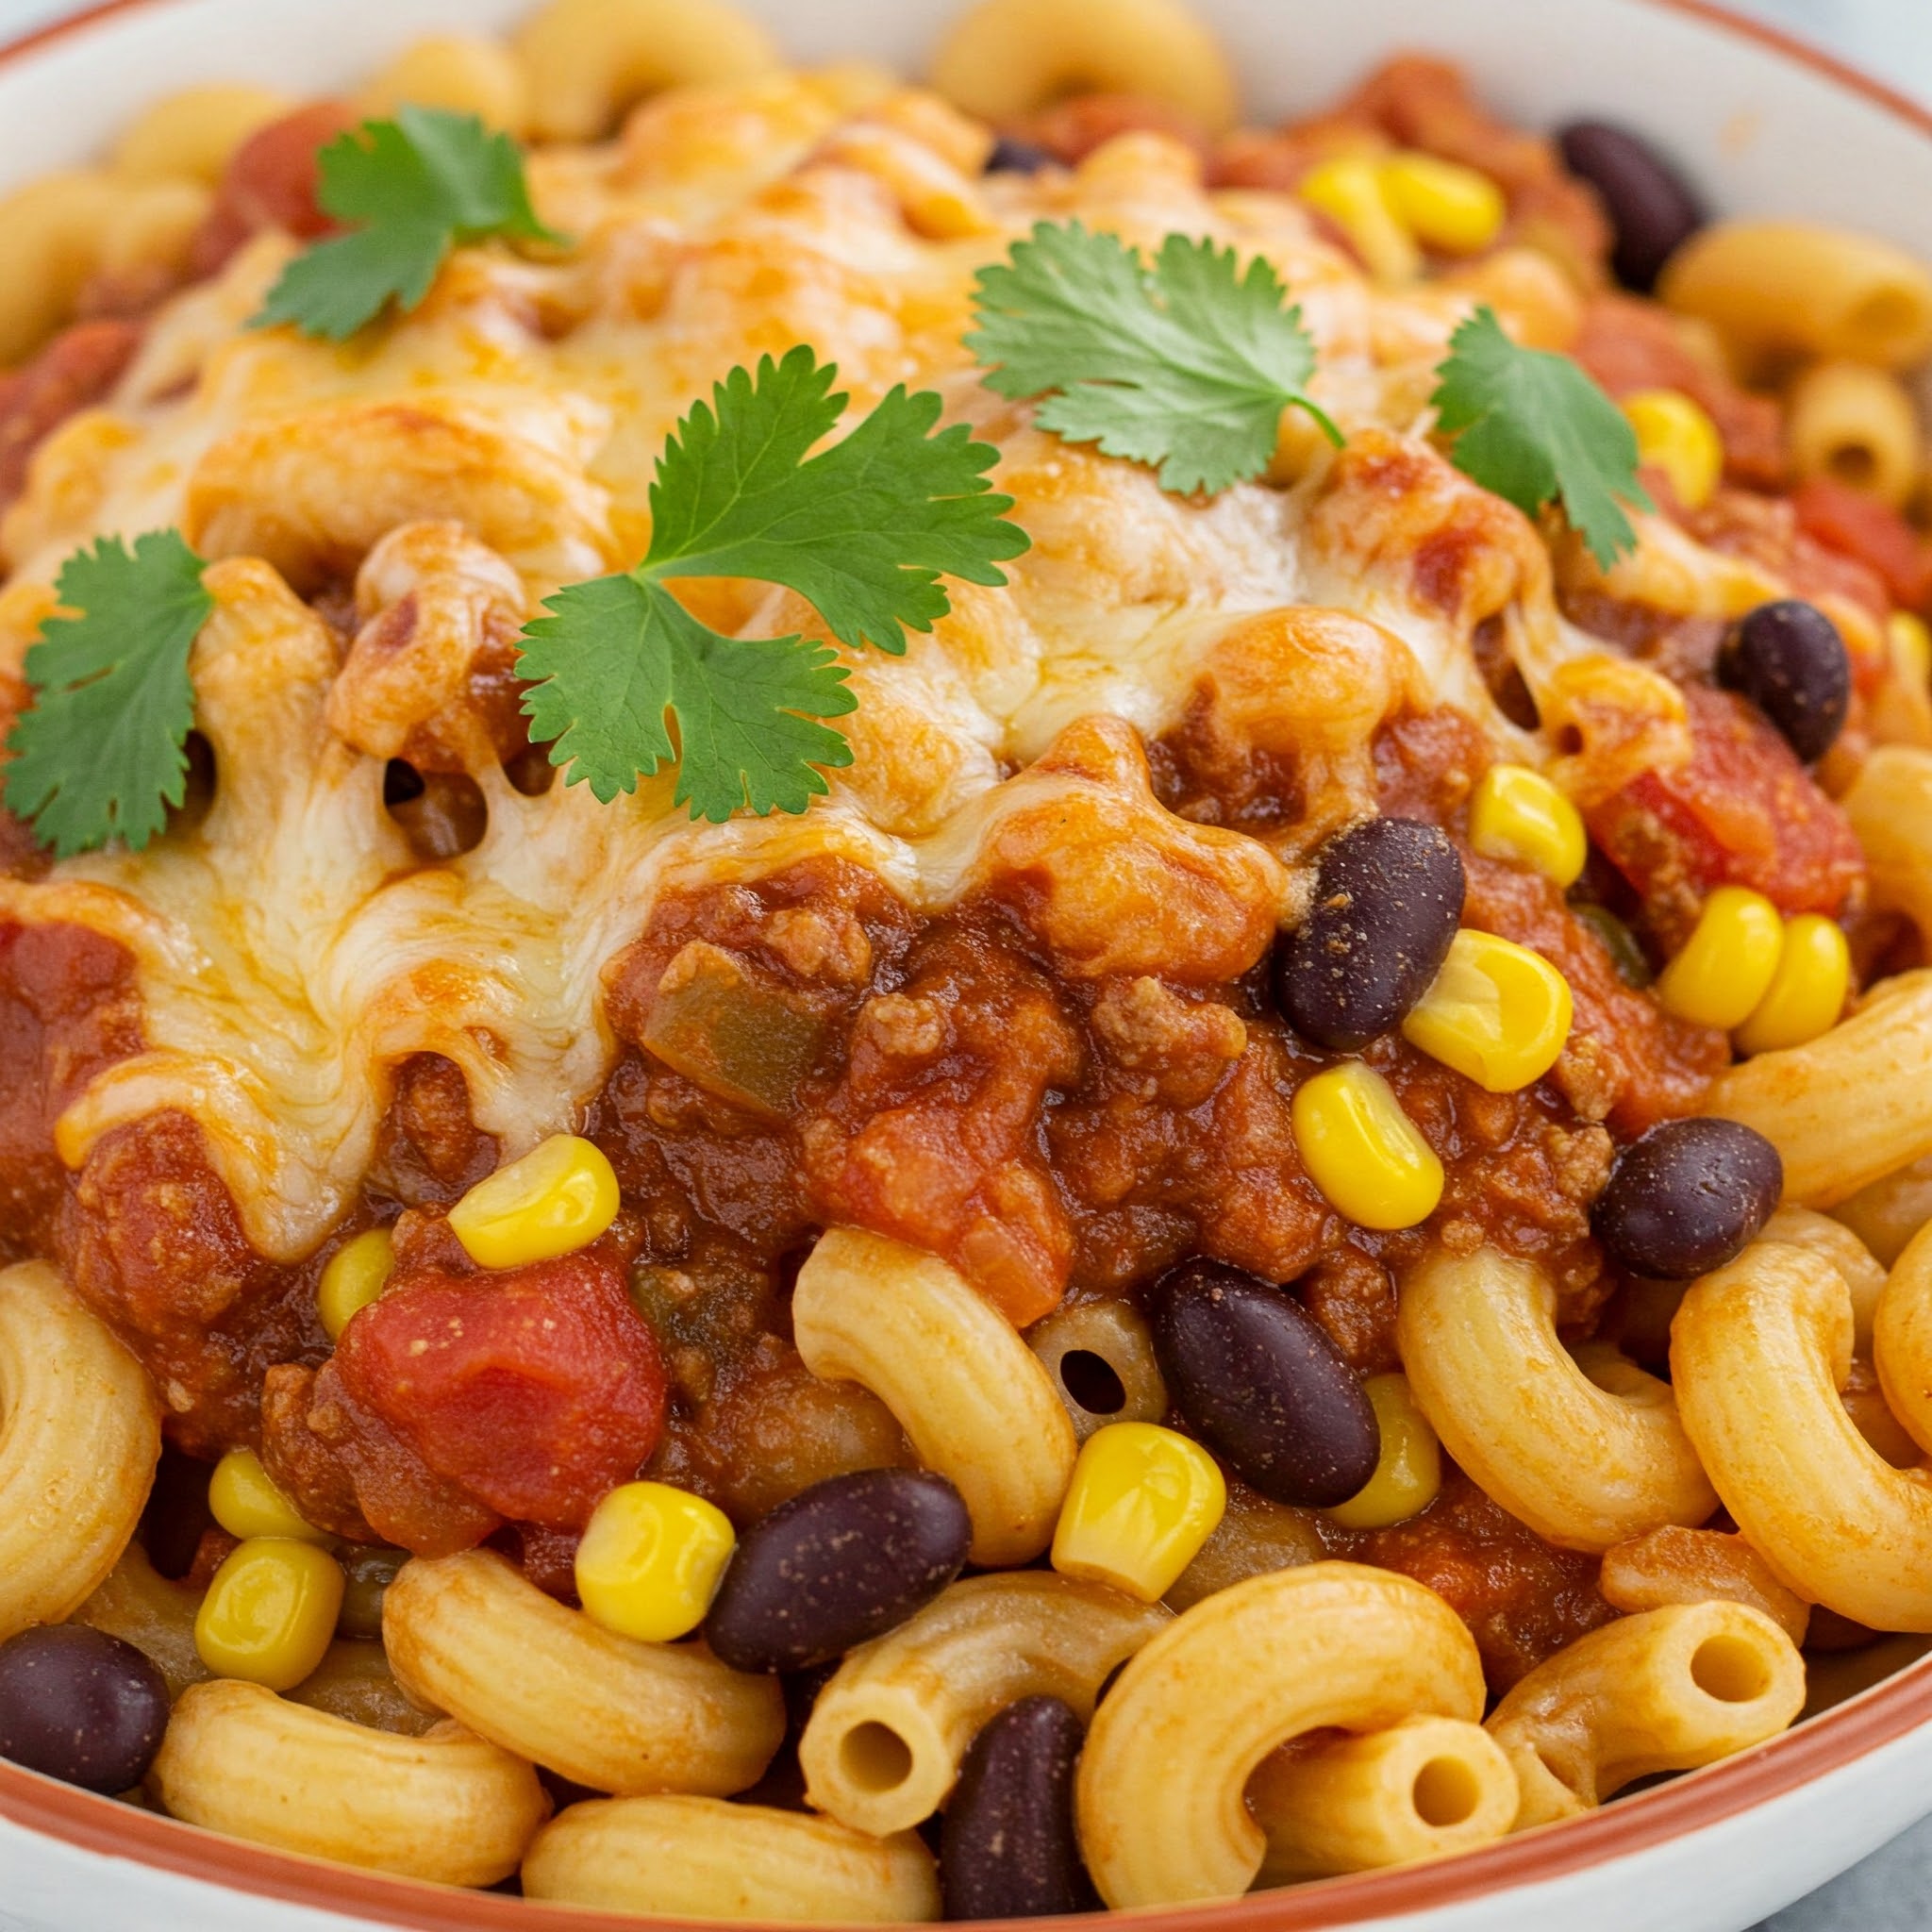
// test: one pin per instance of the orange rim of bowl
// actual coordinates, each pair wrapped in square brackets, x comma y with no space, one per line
[1836,1738]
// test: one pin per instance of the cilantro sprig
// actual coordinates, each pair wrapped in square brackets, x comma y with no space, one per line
[411,188]
[1533,427]
[100,754]
[1187,365]
[863,531]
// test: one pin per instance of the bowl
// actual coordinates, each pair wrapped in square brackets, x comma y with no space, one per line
[1763,125]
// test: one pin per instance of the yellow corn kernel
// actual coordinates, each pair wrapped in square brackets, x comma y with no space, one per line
[1141,1503]
[1675,434]
[1807,990]
[1407,1473]
[243,1499]
[1911,647]
[650,1561]
[1517,814]
[270,1612]
[1497,1013]
[1367,1157]
[355,1274]
[1445,205]
[1728,962]
[559,1197]
[1349,192]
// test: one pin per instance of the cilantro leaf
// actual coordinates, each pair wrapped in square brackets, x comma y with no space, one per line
[863,531]
[627,646]
[1533,426]
[100,754]
[1188,366]
[414,188]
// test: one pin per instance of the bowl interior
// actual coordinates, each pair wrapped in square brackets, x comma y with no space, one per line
[1756,128]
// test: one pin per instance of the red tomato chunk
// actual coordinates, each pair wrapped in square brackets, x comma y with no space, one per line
[1743,812]
[535,1390]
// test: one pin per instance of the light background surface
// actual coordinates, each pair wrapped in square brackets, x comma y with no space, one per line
[1892,39]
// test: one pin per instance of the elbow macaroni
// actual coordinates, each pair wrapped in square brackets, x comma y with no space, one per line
[886,1735]
[1587,1449]
[1005,57]
[80,1433]
[973,1397]
[1158,1793]
[1848,1107]
[445,1806]
[589,60]
[468,1635]
[1115,1336]
[702,1859]
[1665,1691]
[1835,1521]
[1856,424]
[1421,1788]
[1783,287]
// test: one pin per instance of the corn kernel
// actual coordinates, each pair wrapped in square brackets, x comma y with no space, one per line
[1728,962]
[1349,192]
[1519,815]
[650,1561]
[1675,434]
[1911,648]
[270,1612]
[1497,1013]
[1367,1157]
[1443,205]
[1141,1503]
[355,1274]
[559,1197]
[1807,990]
[245,1500]
[1409,1470]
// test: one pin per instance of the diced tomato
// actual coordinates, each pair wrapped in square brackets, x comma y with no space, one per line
[270,182]
[1744,811]
[78,367]
[535,1390]
[1860,526]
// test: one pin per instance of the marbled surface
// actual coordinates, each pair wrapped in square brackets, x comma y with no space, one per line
[1893,1892]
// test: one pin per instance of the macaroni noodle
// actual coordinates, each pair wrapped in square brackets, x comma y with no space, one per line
[80,1433]
[1665,1691]
[1587,1449]
[976,1401]
[1172,1747]
[468,1635]
[885,1734]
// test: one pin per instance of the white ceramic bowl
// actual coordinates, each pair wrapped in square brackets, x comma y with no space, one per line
[1762,125]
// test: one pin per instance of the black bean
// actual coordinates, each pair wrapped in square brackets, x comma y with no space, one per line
[80,1705]
[1010,155]
[1388,900]
[368,1570]
[1653,210]
[1008,1849]
[841,1563]
[1789,659]
[1263,1386]
[1687,1197]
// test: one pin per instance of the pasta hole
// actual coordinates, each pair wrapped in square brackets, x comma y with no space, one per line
[1093,1381]
[530,771]
[198,784]
[443,814]
[1446,1793]
[1854,463]
[1730,1670]
[876,1757]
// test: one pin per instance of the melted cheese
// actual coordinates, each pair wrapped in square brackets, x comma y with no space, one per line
[291,952]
